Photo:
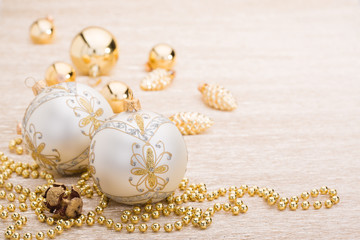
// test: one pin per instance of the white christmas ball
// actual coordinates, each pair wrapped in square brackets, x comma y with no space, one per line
[137,157]
[59,123]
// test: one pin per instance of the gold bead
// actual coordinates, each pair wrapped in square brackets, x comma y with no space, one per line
[293,205]
[59,229]
[202,224]
[143,227]
[314,193]
[101,220]
[294,199]
[23,219]
[235,210]
[50,221]
[115,93]
[91,214]
[99,210]
[161,56]
[8,186]
[324,190]
[134,219]
[148,208]
[226,207]
[335,199]
[145,217]
[109,223]
[332,192]
[159,206]
[195,221]
[15,236]
[59,72]
[94,51]
[155,214]
[42,31]
[22,198]
[15,216]
[166,212]
[232,197]
[40,236]
[305,195]
[155,227]
[136,210]
[251,191]
[243,208]
[317,204]
[168,227]
[328,203]
[118,227]
[178,225]
[305,205]
[19,224]
[19,150]
[2,194]
[78,222]
[4,214]
[11,207]
[186,220]
[90,221]
[51,233]
[8,234]
[130,228]
[218,206]
[25,173]
[285,200]
[42,218]
[171,207]
[67,224]
[271,200]
[124,218]
[27,236]
[18,188]
[281,205]
[23,207]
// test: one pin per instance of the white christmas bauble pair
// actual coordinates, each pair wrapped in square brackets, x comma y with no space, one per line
[135,157]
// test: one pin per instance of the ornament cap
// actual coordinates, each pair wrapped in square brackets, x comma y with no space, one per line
[132,105]
[38,87]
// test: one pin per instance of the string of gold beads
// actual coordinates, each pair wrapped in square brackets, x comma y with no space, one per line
[136,218]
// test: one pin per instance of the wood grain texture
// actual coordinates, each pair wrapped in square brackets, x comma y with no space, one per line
[293,66]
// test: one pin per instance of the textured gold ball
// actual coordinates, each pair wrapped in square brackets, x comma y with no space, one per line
[305,205]
[317,204]
[115,93]
[161,56]
[59,72]
[42,31]
[281,205]
[94,51]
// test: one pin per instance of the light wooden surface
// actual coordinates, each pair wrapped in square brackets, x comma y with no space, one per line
[293,66]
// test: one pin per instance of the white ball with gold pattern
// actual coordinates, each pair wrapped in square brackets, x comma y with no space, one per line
[138,157]
[58,125]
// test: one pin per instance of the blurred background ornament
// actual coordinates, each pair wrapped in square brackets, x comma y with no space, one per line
[42,31]
[137,156]
[115,92]
[58,125]
[59,72]
[217,97]
[94,52]
[161,56]
[191,123]
[157,79]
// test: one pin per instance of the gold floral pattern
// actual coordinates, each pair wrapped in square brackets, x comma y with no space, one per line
[148,171]
[47,160]
[87,107]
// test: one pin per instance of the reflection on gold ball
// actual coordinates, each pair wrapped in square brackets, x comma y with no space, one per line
[42,31]
[162,56]
[94,51]
[115,93]
[59,72]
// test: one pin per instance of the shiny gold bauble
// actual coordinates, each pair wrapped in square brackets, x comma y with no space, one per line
[115,93]
[59,72]
[94,51]
[42,31]
[161,56]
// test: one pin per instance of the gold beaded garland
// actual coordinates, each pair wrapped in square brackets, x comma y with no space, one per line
[136,217]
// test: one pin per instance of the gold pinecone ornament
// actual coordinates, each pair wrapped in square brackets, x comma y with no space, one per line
[218,97]
[191,123]
[157,79]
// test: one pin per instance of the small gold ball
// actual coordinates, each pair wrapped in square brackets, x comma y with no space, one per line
[314,193]
[23,207]
[178,225]
[15,236]
[332,192]
[145,217]
[59,229]
[317,204]
[281,205]
[19,150]
[42,31]
[243,208]
[51,233]
[90,221]
[11,207]
[101,220]
[305,205]
[118,227]
[15,216]
[328,203]
[134,219]
[335,199]
[94,51]
[226,207]
[271,200]
[19,224]
[137,210]
[130,228]
[27,236]
[293,205]
[23,219]
[59,72]
[4,214]
[155,227]
[324,190]
[294,199]
[124,218]
[161,56]
[202,224]
[143,227]
[40,235]
[168,227]
[235,210]
[155,214]
[78,222]
[109,223]
[305,195]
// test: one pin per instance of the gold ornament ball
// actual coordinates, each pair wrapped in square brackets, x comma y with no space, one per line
[94,51]
[162,56]
[42,31]
[59,72]
[115,93]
